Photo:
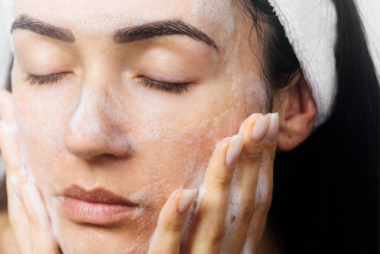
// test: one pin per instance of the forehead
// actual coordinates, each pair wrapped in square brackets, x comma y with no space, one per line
[214,17]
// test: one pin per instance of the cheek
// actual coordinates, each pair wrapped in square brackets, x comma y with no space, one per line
[173,141]
[182,127]
[41,118]
[173,136]
[178,149]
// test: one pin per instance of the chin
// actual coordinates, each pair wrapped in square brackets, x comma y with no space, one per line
[77,238]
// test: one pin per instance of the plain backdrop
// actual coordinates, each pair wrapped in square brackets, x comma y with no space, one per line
[370,11]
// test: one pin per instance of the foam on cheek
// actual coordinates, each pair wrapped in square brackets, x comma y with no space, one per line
[197,171]
[145,196]
[39,123]
[247,86]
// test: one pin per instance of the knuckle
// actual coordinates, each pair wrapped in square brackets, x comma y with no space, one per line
[253,154]
[221,181]
[264,207]
[248,209]
[13,221]
[172,227]
[18,221]
[216,232]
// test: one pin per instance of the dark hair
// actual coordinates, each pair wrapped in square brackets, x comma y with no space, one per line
[326,191]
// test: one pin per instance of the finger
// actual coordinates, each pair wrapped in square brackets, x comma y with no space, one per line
[167,236]
[42,239]
[9,143]
[6,106]
[16,211]
[264,189]
[209,227]
[254,129]
[17,216]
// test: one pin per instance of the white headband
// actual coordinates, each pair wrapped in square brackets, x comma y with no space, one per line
[310,26]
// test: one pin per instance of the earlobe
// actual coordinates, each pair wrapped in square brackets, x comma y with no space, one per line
[297,111]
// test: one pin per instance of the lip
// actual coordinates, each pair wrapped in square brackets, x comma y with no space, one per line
[96,206]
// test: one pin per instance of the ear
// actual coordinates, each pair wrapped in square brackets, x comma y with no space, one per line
[297,111]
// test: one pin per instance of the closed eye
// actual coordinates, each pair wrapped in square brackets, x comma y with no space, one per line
[177,88]
[48,79]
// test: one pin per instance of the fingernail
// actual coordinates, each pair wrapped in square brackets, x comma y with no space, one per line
[261,128]
[15,180]
[187,200]
[273,128]
[234,150]
[242,125]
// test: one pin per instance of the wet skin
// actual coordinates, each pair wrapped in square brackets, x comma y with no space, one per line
[102,126]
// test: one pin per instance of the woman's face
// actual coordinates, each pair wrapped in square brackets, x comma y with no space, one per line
[127,116]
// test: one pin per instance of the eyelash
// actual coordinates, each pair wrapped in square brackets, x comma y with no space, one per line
[51,79]
[177,88]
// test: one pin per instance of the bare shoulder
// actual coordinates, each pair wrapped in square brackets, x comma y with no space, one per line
[7,239]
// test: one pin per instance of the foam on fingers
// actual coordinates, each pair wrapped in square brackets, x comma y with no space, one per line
[34,204]
[6,107]
[11,149]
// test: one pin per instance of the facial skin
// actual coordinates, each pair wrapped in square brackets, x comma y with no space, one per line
[101,126]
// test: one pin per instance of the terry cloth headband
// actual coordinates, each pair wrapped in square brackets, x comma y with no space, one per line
[310,26]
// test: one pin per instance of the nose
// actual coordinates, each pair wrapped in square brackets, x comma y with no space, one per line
[92,131]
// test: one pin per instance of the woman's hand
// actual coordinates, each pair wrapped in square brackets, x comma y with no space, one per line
[27,213]
[252,152]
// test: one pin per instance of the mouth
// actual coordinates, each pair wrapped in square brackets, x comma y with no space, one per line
[97,206]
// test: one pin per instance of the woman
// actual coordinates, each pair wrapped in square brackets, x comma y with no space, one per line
[116,105]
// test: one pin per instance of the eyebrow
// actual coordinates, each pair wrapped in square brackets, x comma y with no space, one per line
[39,27]
[126,35]
[162,28]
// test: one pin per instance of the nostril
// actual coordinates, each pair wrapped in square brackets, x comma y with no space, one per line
[84,146]
[89,146]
